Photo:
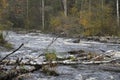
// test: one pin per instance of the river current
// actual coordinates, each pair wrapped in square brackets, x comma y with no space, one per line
[36,43]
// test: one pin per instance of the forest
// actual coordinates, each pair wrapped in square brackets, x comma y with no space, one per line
[85,17]
[59,40]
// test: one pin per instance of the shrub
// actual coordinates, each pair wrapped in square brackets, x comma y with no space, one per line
[2,40]
[4,43]
[69,25]
[50,56]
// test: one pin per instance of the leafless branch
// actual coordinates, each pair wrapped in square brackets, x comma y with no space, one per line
[53,40]
[12,52]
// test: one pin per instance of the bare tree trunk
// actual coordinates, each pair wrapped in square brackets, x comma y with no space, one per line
[81,8]
[65,7]
[27,15]
[43,14]
[89,10]
[102,4]
[102,7]
[118,17]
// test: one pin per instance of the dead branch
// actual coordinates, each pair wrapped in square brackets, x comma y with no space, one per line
[53,40]
[12,52]
[98,57]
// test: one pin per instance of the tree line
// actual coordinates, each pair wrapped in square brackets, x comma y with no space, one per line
[83,17]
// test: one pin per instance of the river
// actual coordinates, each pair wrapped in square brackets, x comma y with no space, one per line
[36,43]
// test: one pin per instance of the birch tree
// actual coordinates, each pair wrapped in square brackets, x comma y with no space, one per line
[89,10]
[27,14]
[118,17]
[43,14]
[102,6]
[65,7]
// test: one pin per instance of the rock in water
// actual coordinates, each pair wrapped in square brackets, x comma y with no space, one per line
[113,53]
[116,54]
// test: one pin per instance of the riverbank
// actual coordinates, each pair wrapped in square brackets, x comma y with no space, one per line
[77,37]
[102,39]
[105,39]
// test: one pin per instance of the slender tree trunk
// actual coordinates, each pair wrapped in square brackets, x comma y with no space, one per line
[81,8]
[102,14]
[118,16]
[102,6]
[27,15]
[89,10]
[65,7]
[102,3]
[43,14]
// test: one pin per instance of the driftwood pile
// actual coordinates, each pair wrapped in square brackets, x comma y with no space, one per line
[10,69]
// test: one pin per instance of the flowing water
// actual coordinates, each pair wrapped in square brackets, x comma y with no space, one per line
[36,43]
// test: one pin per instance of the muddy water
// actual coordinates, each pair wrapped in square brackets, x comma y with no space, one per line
[36,43]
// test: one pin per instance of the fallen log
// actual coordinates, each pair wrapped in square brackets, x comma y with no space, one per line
[67,62]
[16,72]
